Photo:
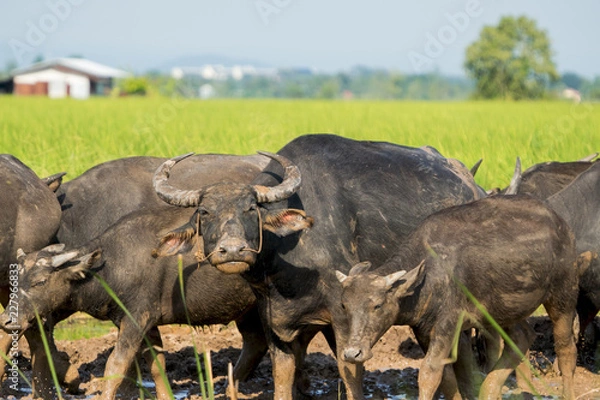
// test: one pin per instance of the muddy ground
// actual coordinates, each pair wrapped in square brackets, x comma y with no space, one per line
[391,374]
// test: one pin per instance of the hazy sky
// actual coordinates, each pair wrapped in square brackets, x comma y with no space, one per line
[324,34]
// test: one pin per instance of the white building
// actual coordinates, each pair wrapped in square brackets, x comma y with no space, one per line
[65,77]
[571,94]
[218,72]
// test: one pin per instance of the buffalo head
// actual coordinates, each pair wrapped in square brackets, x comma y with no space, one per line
[371,303]
[229,220]
[43,283]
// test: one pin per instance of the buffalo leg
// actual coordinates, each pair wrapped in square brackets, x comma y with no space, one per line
[510,359]
[67,374]
[288,366]
[254,345]
[491,342]
[284,370]
[42,381]
[448,382]
[118,363]
[156,361]
[434,367]
[523,371]
[464,369]
[300,347]
[586,311]
[564,345]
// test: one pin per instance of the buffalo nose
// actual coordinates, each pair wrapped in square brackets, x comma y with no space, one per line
[5,322]
[352,354]
[357,354]
[232,246]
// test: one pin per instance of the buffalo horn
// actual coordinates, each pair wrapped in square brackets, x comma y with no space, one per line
[515,182]
[589,158]
[53,178]
[475,167]
[289,185]
[60,259]
[169,194]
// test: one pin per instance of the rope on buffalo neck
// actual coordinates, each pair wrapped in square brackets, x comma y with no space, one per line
[200,257]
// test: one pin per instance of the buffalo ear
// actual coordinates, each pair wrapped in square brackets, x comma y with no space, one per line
[178,241]
[287,221]
[91,258]
[402,283]
[78,271]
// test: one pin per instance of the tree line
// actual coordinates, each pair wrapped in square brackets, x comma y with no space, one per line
[512,60]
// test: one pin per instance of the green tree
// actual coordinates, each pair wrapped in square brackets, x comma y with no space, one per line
[329,90]
[512,61]
[591,89]
[134,85]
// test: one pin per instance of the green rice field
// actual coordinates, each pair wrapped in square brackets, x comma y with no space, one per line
[69,135]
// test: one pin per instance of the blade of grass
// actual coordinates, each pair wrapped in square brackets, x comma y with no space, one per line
[138,373]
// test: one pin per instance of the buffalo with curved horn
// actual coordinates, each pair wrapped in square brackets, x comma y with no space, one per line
[364,196]
[233,252]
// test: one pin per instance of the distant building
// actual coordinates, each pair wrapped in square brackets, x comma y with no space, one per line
[218,72]
[65,77]
[571,94]
[347,95]
[206,91]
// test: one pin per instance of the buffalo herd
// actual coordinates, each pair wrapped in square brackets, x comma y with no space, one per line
[328,235]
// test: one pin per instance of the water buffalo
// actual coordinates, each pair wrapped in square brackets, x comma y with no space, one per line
[506,255]
[364,197]
[54,281]
[572,189]
[29,219]
[545,179]
[579,204]
[100,196]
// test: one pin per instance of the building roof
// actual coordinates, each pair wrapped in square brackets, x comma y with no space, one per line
[81,65]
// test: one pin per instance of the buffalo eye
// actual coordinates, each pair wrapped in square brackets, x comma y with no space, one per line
[203,212]
[377,307]
[343,306]
[251,207]
[38,283]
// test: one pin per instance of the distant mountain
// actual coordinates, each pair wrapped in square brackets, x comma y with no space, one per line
[203,59]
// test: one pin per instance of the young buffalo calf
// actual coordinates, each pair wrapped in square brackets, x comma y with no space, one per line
[511,253]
